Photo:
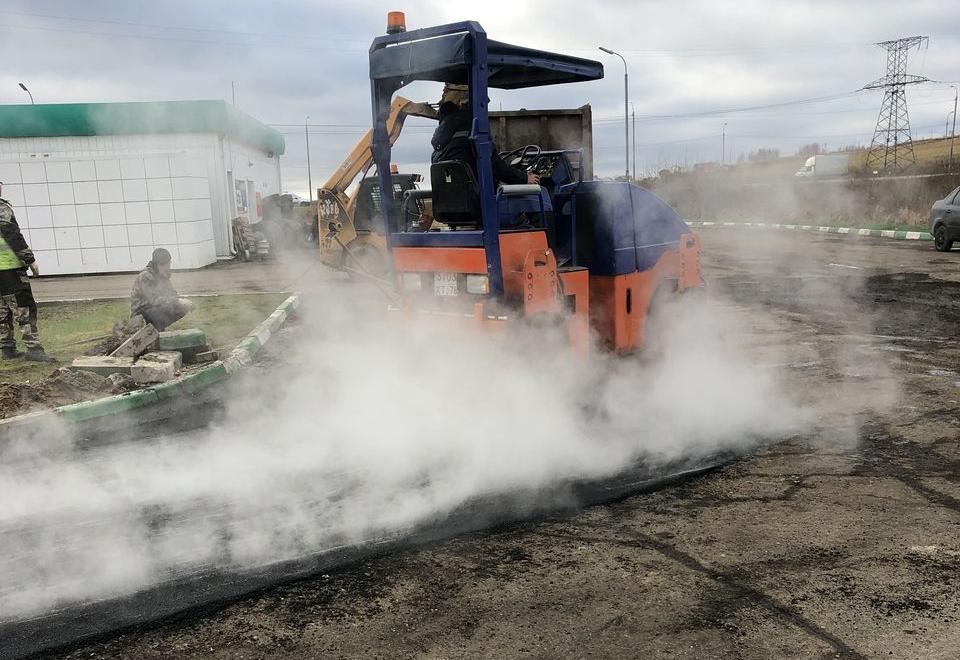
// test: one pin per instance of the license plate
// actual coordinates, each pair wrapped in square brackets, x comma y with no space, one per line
[445,284]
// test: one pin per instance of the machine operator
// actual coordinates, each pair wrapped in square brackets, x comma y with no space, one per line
[451,141]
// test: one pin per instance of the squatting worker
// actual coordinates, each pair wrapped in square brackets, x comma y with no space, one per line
[153,295]
[18,305]
[451,141]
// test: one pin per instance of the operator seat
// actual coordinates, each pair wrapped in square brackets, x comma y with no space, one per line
[456,195]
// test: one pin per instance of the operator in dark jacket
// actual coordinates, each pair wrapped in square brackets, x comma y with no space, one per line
[451,141]
[16,297]
[153,295]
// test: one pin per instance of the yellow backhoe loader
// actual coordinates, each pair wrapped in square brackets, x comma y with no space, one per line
[351,226]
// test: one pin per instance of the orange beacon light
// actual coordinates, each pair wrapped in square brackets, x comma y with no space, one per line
[396,22]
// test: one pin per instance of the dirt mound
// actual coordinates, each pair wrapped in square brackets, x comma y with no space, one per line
[16,399]
[64,386]
[73,386]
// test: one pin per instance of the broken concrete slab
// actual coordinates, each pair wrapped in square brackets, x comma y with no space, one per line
[138,343]
[205,356]
[156,367]
[165,357]
[103,365]
[129,326]
[190,354]
[175,340]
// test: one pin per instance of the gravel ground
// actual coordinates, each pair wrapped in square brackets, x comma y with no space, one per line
[840,543]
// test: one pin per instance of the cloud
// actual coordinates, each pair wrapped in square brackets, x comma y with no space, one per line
[296,58]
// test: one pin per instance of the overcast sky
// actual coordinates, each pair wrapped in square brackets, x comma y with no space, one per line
[290,59]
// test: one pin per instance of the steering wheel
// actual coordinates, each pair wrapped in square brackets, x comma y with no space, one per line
[517,156]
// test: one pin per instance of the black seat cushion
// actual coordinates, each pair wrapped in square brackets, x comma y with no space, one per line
[456,195]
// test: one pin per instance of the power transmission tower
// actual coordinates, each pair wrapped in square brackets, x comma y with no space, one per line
[892,146]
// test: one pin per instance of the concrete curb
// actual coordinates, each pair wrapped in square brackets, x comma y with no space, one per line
[215,372]
[248,348]
[846,231]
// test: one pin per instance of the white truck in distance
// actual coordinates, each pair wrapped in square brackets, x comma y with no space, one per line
[825,165]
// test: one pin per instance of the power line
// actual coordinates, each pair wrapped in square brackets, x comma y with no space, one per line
[364,40]
[355,129]
[114,35]
[270,35]
[796,114]
[737,50]
[727,111]
[704,113]
[713,136]
[822,135]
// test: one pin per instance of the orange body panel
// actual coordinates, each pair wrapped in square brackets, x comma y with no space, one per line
[615,307]
[541,289]
[618,307]
[576,284]
[514,247]
[576,301]
[619,304]
[439,260]
[513,252]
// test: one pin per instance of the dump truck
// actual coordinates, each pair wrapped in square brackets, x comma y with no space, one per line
[590,256]
[566,129]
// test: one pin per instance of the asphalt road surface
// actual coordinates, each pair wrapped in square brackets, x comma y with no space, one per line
[841,542]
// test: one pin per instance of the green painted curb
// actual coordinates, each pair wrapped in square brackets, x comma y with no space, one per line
[193,382]
[110,405]
[250,345]
[898,234]
[119,403]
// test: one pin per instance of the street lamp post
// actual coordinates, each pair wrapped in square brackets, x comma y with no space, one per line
[953,132]
[24,88]
[306,134]
[626,116]
[633,117]
[723,144]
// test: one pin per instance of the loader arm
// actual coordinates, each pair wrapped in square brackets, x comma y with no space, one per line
[335,210]
[361,156]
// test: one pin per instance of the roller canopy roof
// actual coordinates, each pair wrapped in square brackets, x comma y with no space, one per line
[445,58]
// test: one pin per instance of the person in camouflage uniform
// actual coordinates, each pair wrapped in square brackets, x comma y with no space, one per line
[153,296]
[16,296]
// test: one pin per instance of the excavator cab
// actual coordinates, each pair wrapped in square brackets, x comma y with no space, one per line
[567,251]
[368,216]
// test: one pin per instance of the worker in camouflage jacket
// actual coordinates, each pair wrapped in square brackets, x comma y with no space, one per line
[17,304]
[153,295]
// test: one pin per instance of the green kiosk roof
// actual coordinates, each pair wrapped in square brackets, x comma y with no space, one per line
[72,119]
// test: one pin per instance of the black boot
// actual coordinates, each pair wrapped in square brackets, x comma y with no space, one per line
[38,355]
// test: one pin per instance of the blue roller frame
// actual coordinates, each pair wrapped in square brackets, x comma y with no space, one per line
[444,59]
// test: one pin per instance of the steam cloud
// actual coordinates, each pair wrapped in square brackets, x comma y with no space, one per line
[371,429]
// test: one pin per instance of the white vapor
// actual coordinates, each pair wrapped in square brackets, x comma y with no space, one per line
[373,428]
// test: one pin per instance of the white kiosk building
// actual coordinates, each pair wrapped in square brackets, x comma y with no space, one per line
[97,186]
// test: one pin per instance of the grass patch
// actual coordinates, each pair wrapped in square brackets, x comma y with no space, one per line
[67,329]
